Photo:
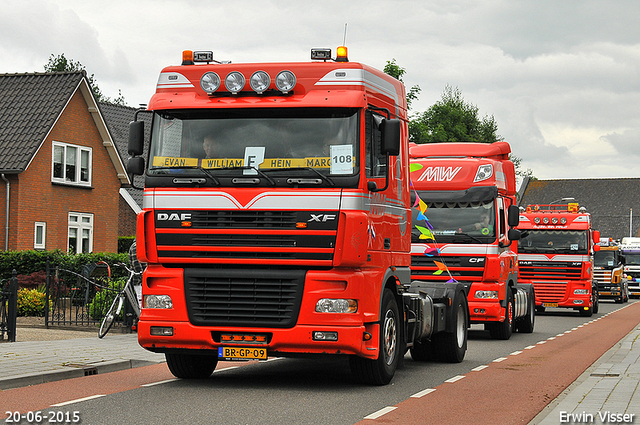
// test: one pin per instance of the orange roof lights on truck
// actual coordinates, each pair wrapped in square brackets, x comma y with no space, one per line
[550,208]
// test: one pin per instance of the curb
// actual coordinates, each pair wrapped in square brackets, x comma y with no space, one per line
[71,371]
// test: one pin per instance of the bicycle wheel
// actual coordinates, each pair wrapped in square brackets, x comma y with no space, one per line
[113,312]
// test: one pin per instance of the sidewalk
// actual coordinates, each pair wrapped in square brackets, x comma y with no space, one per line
[607,392]
[45,355]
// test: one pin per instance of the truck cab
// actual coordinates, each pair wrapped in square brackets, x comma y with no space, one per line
[608,272]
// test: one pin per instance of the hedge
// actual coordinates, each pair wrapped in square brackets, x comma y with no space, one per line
[29,262]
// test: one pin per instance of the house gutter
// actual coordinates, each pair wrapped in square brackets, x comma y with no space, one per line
[6,225]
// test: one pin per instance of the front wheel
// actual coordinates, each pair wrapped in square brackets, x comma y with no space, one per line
[111,315]
[191,366]
[381,370]
[503,330]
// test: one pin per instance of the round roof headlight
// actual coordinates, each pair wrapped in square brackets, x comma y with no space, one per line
[285,81]
[545,220]
[563,220]
[536,220]
[260,81]
[554,220]
[234,82]
[210,82]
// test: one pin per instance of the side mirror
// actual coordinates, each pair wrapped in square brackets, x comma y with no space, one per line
[596,248]
[136,138]
[596,236]
[390,130]
[514,234]
[513,216]
[135,166]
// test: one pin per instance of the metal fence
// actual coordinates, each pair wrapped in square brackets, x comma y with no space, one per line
[81,298]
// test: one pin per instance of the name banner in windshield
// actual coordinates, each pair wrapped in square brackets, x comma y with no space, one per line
[268,163]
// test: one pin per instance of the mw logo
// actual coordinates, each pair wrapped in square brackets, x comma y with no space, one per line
[173,216]
[322,217]
[439,174]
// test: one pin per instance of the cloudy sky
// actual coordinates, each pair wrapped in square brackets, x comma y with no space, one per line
[561,77]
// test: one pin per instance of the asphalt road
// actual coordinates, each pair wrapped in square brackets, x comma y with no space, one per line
[300,391]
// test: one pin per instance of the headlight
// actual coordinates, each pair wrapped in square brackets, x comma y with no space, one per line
[234,82]
[484,172]
[157,301]
[210,82]
[327,305]
[581,291]
[260,81]
[491,295]
[285,81]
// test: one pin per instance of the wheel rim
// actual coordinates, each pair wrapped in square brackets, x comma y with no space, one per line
[460,328]
[390,337]
[510,313]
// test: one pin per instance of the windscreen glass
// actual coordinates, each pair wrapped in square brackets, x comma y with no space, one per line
[252,141]
[560,241]
[460,222]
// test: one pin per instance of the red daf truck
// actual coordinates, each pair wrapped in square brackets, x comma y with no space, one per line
[276,218]
[555,254]
[464,214]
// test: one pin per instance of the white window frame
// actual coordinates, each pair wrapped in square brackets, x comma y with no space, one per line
[80,224]
[77,177]
[43,243]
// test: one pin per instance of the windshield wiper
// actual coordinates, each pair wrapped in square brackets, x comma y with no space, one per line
[188,180]
[322,176]
[249,167]
[469,236]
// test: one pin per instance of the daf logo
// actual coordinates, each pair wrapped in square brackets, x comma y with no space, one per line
[476,260]
[174,217]
[321,218]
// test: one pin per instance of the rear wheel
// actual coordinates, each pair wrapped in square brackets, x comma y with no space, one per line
[191,366]
[503,330]
[381,370]
[526,324]
[451,346]
[111,315]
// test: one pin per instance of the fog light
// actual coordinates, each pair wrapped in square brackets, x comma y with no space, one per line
[578,301]
[493,295]
[327,305]
[581,291]
[325,336]
[161,331]
[157,301]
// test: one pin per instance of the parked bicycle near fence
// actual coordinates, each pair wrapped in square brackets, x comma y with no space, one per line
[127,293]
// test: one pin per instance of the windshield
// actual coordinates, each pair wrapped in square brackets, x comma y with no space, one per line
[462,222]
[253,141]
[632,259]
[605,259]
[561,241]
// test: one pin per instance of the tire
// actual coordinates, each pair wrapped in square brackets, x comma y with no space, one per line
[191,366]
[111,315]
[596,302]
[381,370]
[527,323]
[503,330]
[450,347]
[586,313]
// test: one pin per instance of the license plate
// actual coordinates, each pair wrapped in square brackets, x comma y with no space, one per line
[549,304]
[242,353]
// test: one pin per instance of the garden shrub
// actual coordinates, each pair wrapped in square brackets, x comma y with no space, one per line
[30,302]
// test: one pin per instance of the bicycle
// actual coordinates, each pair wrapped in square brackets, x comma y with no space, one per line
[127,292]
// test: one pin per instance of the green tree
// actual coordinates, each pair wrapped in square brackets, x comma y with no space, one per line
[397,72]
[451,119]
[61,64]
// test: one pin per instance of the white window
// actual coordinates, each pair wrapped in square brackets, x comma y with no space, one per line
[40,235]
[71,164]
[80,233]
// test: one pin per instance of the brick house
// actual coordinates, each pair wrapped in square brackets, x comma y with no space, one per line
[60,172]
